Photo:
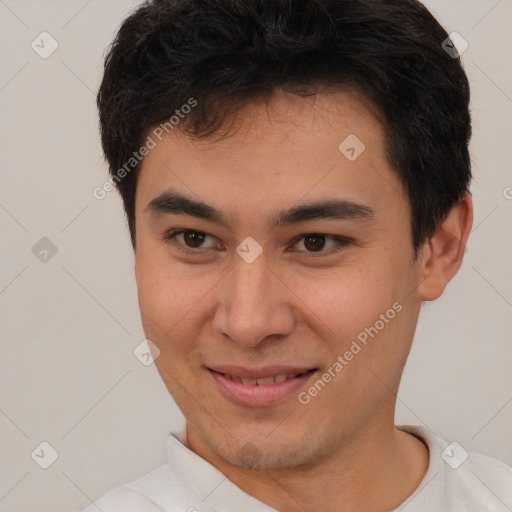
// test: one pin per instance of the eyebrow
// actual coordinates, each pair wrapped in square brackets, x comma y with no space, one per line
[175,203]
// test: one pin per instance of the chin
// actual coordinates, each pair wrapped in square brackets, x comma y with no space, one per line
[264,455]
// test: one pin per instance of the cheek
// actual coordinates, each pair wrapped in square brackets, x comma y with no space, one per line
[342,302]
[168,302]
[171,300]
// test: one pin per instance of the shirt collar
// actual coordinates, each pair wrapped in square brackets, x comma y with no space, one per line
[433,481]
[211,486]
[206,481]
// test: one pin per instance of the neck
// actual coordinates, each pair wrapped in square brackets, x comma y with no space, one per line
[376,470]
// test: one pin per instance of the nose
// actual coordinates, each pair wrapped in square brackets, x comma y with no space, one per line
[254,304]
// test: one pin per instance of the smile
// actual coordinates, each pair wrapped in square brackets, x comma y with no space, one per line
[259,388]
[265,381]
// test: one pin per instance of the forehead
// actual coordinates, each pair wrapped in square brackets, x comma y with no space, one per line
[282,151]
[303,123]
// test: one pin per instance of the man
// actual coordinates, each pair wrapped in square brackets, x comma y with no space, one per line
[295,176]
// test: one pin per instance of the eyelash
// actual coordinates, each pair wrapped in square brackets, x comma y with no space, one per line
[341,240]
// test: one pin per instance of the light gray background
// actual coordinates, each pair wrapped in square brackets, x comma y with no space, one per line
[68,326]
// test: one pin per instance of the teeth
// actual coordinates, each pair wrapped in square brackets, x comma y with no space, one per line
[264,381]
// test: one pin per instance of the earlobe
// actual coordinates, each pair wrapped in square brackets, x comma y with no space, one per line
[441,257]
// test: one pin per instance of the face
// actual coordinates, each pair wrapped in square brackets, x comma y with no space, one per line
[284,310]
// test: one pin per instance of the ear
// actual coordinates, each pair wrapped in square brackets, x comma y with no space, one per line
[441,257]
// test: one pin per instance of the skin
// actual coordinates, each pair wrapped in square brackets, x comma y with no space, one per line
[341,451]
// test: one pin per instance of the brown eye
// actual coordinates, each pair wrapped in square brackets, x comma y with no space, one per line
[194,238]
[314,242]
[189,241]
[318,244]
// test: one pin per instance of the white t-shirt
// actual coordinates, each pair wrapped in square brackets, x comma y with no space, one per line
[455,481]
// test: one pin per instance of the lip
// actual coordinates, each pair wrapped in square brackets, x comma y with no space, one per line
[259,395]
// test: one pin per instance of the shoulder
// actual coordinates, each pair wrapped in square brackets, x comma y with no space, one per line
[157,491]
[460,480]
[485,479]
[123,499]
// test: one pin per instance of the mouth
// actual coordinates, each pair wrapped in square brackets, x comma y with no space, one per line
[259,388]
[265,381]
